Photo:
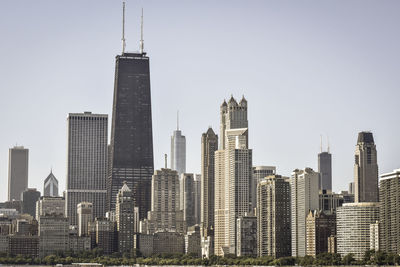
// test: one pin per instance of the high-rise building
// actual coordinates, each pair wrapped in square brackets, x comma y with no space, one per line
[50,187]
[178,151]
[187,199]
[131,146]
[273,217]
[320,227]
[353,227]
[85,216]
[127,216]
[53,234]
[389,212]
[325,170]
[105,235]
[197,198]
[87,163]
[29,198]
[351,188]
[304,197]
[233,170]
[209,144]
[366,169]
[17,172]
[165,214]
[50,206]
[374,237]
[329,201]
[246,239]
[259,173]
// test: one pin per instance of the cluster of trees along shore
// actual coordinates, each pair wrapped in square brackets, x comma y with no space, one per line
[95,256]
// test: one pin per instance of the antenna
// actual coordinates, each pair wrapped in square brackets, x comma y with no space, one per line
[320,147]
[123,27]
[327,137]
[177,120]
[165,155]
[141,35]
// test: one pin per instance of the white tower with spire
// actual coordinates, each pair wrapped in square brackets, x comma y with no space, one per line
[178,149]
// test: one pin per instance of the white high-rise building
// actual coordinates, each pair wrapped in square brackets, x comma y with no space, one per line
[178,151]
[304,197]
[85,216]
[353,227]
[233,170]
[259,173]
[17,172]
[87,163]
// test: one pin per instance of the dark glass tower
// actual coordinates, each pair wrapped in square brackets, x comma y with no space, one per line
[131,146]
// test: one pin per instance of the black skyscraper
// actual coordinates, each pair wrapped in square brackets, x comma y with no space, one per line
[131,147]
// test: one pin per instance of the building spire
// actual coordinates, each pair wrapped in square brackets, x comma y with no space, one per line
[123,28]
[327,137]
[177,120]
[320,146]
[141,35]
[165,155]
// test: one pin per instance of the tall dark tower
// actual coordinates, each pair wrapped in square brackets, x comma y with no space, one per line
[131,145]
[325,169]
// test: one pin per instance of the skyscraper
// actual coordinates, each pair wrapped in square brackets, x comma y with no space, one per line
[87,161]
[50,187]
[273,217]
[304,197]
[187,198]
[325,170]
[29,198]
[233,169]
[366,169]
[389,212]
[85,216]
[17,172]
[178,151]
[197,198]
[165,212]
[209,144]
[131,146]
[127,217]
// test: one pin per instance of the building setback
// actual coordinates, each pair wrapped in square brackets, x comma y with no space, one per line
[87,163]
[389,213]
[366,169]
[18,157]
[131,145]
[273,217]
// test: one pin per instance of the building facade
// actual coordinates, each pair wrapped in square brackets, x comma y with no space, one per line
[131,145]
[320,227]
[187,198]
[53,234]
[246,239]
[85,216]
[389,213]
[178,152]
[29,198]
[259,173]
[366,169]
[273,217]
[304,197]
[50,206]
[353,227]
[18,158]
[325,170]
[50,186]
[87,163]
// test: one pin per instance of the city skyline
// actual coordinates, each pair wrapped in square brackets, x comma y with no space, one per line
[49,149]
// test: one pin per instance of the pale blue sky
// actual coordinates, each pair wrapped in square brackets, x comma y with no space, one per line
[306,67]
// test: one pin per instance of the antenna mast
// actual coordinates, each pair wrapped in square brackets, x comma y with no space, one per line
[123,27]
[327,137]
[177,120]
[320,147]
[141,35]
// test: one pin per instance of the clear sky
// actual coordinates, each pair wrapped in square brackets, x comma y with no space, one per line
[306,68]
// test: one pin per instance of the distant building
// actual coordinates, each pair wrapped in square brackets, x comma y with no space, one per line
[351,188]
[105,235]
[87,163]
[197,198]
[246,243]
[187,198]
[389,212]
[165,214]
[166,242]
[24,245]
[259,173]
[329,201]
[353,227]
[85,215]
[374,236]
[178,151]
[18,158]
[366,169]
[332,244]
[320,227]
[127,219]
[304,197]
[29,198]
[53,234]
[50,206]
[50,186]
[273,217]
[193,241]
[325,170]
